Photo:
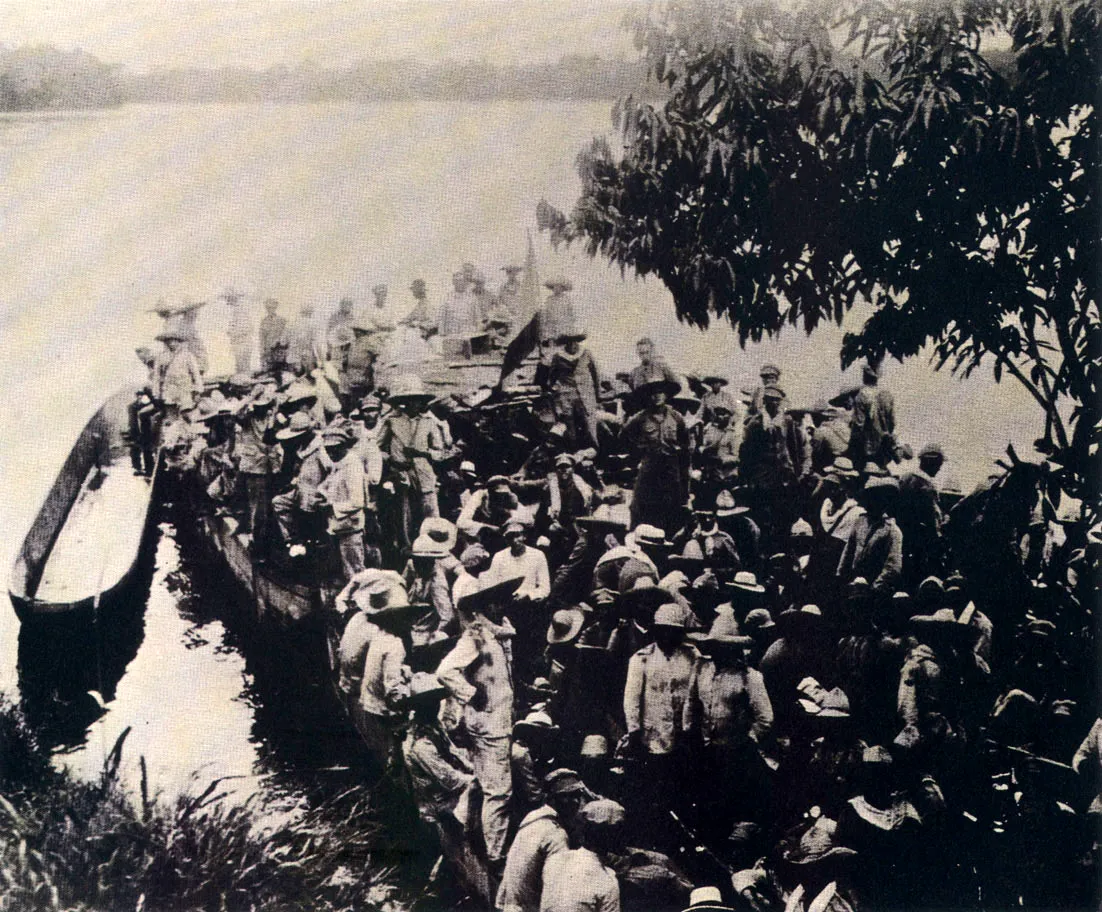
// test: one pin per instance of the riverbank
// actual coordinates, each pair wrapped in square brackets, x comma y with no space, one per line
[73,844]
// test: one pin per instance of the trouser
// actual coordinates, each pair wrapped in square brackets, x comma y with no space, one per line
[416,505]
[242,355]
[141,436]
[350,546]
[259,515]
[490,760]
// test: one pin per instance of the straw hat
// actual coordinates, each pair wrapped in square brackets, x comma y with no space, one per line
[648,535]
[565,626]
[726,506]
[746,581]
[299,425]
[843,467]
[436,538]
[536,723]
[409,387]
[491,595]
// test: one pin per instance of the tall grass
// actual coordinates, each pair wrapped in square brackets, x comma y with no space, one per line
[67,844]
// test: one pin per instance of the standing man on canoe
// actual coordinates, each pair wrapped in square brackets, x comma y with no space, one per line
[658,435]
[508,295]
[478,673]
[872,423]
[574,381]
[272,330]
[459,315]
[411,442]
[259,457]
[177,376]
[307,348]
[344,492]
[239,328]
[650,367]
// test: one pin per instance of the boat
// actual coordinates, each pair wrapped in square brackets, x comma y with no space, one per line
[83,547]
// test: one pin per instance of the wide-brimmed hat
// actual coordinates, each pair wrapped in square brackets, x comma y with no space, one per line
[843,467]
[425,689]
[651,536]
[299,425]
[564,781]
[707,899]
[758,620]
[944,623]
[498,481]
[643,599]
[796,621]
[565,625]
[873,470]
[168,334]
[602,813]
[494,594]
[882,485]
[746,581]
[723,401]
[769,369]
[409,387]
[773,392]
[725,633]
[600,525]
[338,432]
[686,400]
[822,703]
[801,528]
[536,723]
[436,538]
[818,844]
[669,615]
[571,333]
[664,384]
[559,283]
[931,450]
[715,378]
[726,506]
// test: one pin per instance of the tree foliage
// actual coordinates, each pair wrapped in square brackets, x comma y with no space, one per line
[938,161]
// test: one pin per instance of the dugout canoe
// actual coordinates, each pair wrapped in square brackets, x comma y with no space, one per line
[83,547]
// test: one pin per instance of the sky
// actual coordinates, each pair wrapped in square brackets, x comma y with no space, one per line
[142,34]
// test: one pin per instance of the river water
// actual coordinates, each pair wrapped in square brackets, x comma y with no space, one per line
[104,213]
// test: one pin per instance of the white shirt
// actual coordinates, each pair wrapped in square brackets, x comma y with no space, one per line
[532,565]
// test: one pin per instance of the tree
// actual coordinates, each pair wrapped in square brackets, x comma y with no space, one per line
[936,164]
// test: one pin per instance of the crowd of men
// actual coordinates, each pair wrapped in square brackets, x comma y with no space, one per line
[627,636]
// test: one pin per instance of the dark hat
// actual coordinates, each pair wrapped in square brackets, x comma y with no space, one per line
[931,450]
[715,378]
[945,623]
[660,384]
[491,595]
[564,781]
[600,526]
[645,594]
[772,392]
[796,621]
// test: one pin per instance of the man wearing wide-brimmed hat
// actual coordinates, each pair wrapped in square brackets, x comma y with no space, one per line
[459,316]
[920,517]
[508,294]
[273,329]
[872,421]
[728,713]
[651,367]
[432,568]
[259,458]
[177,376]
[541,834]
[875,546]
[556,316]
[657,434]
[386,675]
[479,676]
[343,492]
[573,379]
[299,510]
[411,441]
[357,371]
[720,443]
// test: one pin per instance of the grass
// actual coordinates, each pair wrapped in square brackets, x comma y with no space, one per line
[67,844]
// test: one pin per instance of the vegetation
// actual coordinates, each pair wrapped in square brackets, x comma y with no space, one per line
[935,164]
[67,844]
[33,78]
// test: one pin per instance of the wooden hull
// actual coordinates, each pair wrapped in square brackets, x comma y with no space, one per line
[84,544]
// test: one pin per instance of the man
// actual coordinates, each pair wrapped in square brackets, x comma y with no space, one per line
[272,330]
[508,295]
[339,328]
[875,547]
[715,391]
[357,378]
[573,380]
[480,293]
[307,348]
[488,509]
[872,423]
[380,292]
[479,676]
[427,572]
[299,511]
[177,378]
[541,834]
[557,314]
[140,414]
[920,517]
[657,433]
[386,675]
[521,560]
[411,442]
[720,443]
[728,710]
[459,315]
[343,492]
[239,328]
[259,457]
[569,497]
[830,437]
[771,460]
[650,367]
[655,692]
[580,880]
[770,376]
[421,316]
[188,317]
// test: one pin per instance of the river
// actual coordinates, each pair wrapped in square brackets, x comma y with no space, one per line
[104,213]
